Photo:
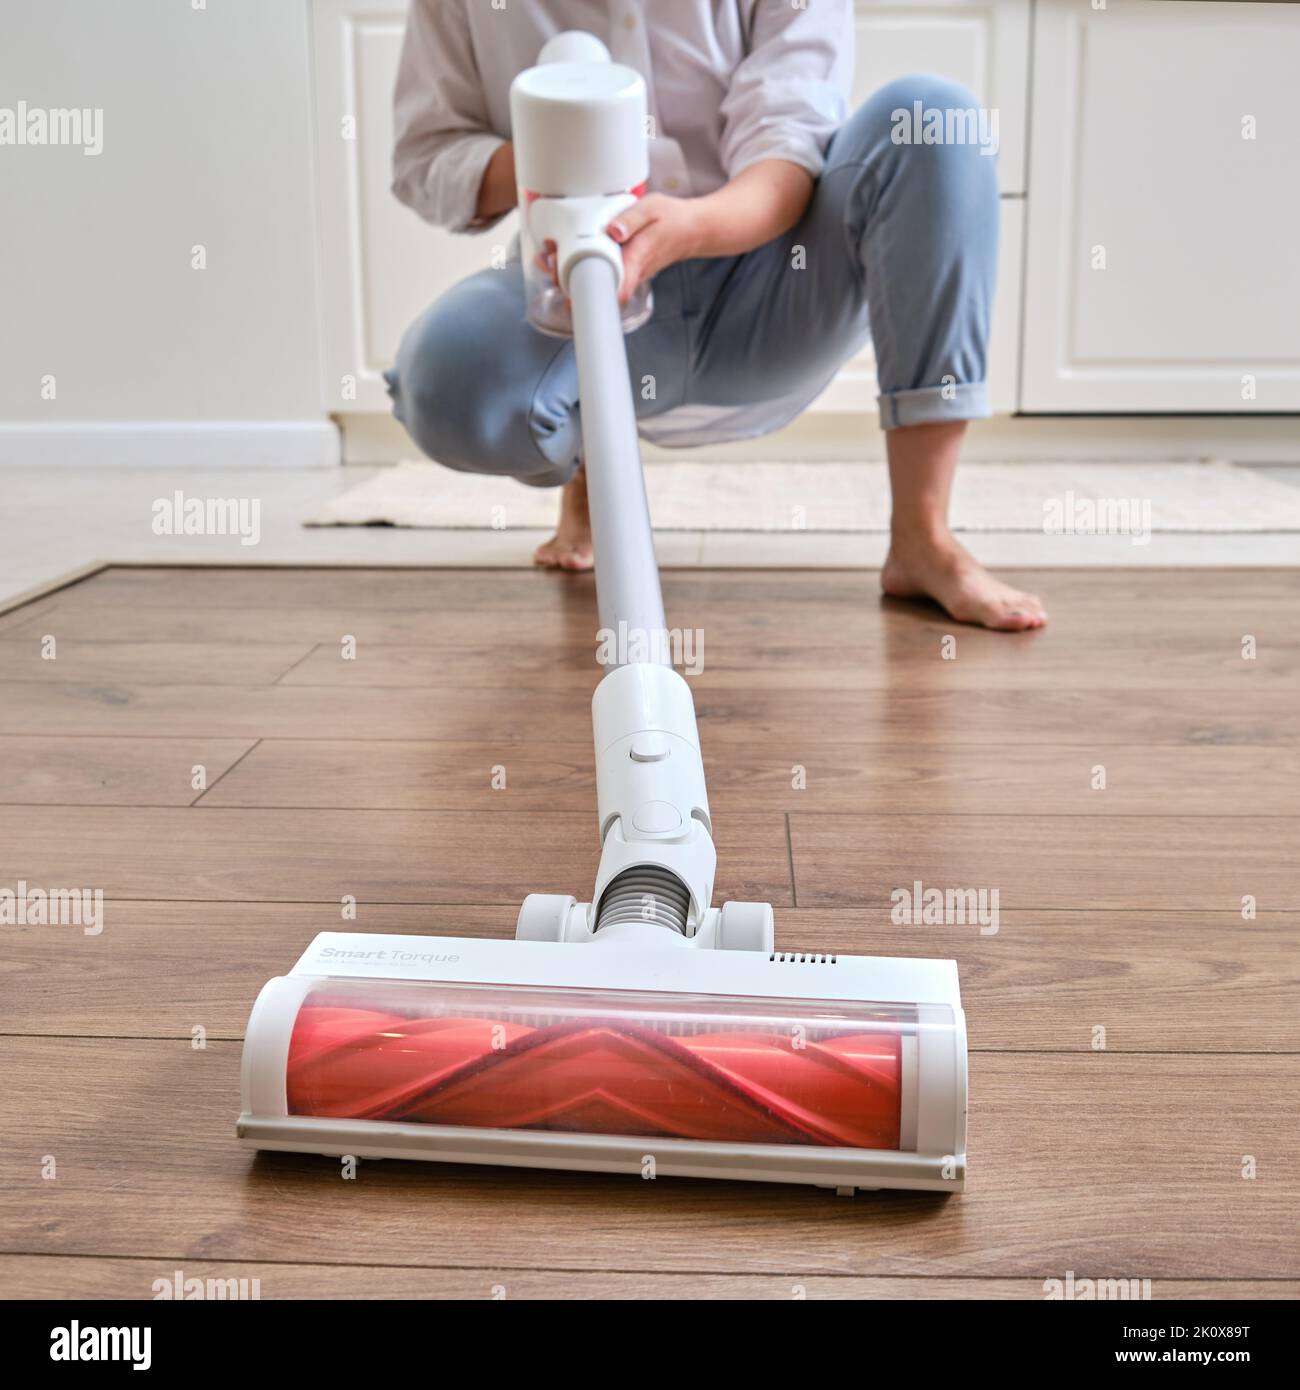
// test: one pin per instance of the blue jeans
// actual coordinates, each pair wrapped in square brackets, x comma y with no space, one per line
[899,247]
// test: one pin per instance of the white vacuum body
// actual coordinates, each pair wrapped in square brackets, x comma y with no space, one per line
[579,126]
[644,1031]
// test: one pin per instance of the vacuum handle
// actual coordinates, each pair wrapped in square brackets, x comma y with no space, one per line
[627,573]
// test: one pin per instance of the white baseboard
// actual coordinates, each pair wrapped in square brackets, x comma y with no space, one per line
[172,444]
[825,435]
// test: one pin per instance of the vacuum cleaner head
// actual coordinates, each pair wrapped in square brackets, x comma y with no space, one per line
[840,1071]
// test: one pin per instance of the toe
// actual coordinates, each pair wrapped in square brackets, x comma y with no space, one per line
[573,559]
[1017,614]
[553,555]
[1000,612]
[1032,607]
[560,554]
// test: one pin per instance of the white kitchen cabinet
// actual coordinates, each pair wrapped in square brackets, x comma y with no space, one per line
[1164,199]
[380,265]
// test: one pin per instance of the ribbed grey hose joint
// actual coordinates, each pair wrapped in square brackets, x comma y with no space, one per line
[645,895]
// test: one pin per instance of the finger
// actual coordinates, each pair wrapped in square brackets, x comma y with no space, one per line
[631,279]
[545,260]
[631,221]
[638,266]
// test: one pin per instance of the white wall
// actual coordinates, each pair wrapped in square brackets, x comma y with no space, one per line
[207,138]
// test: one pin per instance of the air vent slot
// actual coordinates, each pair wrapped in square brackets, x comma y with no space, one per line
[802,958]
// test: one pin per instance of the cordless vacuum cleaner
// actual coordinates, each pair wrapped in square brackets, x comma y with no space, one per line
[645,1032]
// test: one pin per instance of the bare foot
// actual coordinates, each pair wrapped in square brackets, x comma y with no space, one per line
[921,565]
[570,547]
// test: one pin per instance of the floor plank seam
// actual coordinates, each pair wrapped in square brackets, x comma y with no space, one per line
[1279,685]
[789,853]
[256,743]
[482,904]
[531,811]
[584,745]
[311,651]
[631,1270]
[973,746]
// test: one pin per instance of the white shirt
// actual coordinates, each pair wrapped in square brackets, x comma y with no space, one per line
[730,82]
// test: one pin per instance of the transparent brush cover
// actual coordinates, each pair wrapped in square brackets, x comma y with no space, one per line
[706,1068]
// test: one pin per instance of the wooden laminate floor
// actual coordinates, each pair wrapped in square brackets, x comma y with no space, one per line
[1167,1154]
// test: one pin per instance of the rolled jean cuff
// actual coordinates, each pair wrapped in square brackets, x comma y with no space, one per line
[934,404]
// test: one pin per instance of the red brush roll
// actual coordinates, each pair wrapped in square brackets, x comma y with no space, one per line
[655,1066]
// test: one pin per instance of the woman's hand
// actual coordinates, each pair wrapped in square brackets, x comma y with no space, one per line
[655,232]
[760,203]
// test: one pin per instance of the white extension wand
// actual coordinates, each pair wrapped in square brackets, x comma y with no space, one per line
[579,124]
[645,1031]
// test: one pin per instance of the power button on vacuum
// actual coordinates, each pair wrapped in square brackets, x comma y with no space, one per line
[649,748]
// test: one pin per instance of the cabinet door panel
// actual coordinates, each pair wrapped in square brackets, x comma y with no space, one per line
[380,265]
[1165,167]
